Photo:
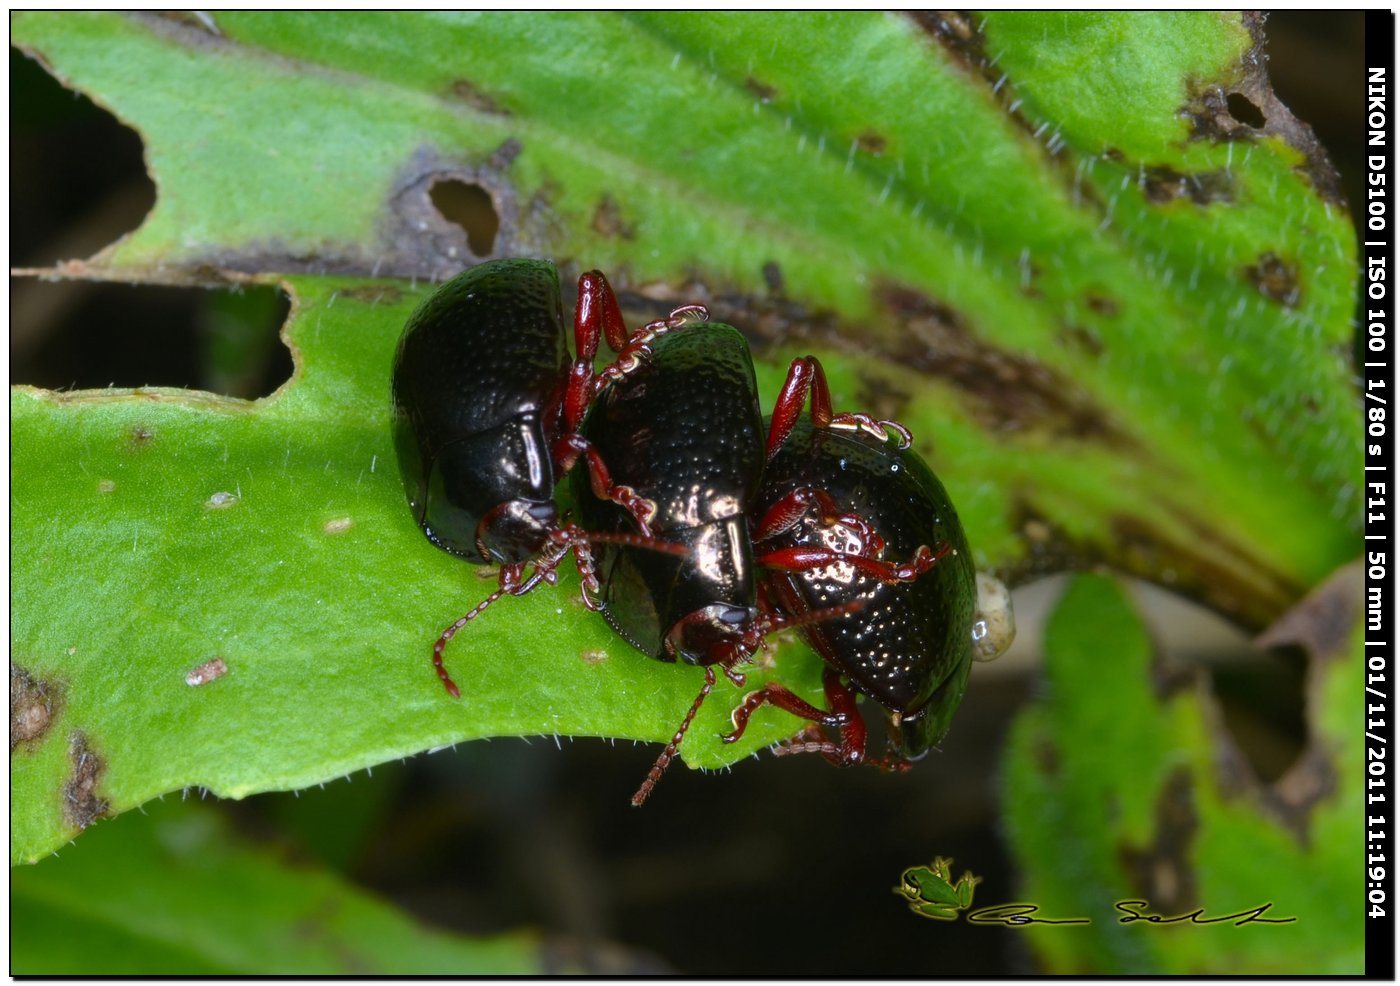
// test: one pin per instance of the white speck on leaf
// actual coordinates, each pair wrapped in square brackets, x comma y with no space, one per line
[206,672]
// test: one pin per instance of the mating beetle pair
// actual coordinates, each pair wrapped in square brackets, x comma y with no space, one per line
[686,508]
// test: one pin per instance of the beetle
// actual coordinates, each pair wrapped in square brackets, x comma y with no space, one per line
[910,641]
[486,407]
[680,424]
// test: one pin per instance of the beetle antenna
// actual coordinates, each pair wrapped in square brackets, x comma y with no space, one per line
[571,534]
[773,622]
[637,541]
[450,632]
[664,761]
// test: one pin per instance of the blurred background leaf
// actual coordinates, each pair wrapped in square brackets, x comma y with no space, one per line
[1131,754]
[180,893]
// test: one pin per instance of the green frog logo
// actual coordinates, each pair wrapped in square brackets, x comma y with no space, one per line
[931,892]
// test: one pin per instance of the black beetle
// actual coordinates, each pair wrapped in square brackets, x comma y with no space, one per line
[909,642]
[680,425]
[486,408]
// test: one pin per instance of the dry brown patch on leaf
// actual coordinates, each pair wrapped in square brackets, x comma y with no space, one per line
[477,98]
[1162,872]
[34,705]
[140,437]
[1242,106]
[960,32]
[1012,391]
[764,92]
[872,143]
[373,294]
[1161,184]
[608,221]
[1102,304]
[81,804]
[208,671]
[773,277]
[1087,341]
[1324,625]
[1275,278]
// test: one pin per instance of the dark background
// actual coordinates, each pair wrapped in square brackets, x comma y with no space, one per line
[780,866]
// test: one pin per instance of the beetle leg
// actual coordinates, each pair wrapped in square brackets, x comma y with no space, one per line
[773,693]
[831,752]
[849,750]
[597,309]
[805,375]
[663,761]
[578,394]
[638,347]
[787,512]
[570,447]
[509,578]
[878,428]
[597,313]
[588,578]
[686,315]
[571,537]
[810,559]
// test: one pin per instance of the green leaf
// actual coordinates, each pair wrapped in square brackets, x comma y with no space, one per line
[170,894]
[1100,326]
[274,536]
[1123,784]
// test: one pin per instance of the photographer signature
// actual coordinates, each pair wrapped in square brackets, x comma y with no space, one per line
[931,892]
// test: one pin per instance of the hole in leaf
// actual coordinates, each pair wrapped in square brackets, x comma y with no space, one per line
[83,179]
[1243,110]
[1263,705]
[86,334]
[469,206]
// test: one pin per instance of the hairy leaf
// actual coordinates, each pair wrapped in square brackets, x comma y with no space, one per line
[1115,318]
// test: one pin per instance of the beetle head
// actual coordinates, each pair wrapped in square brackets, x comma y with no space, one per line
[489,496]
[516,531]
[720,633]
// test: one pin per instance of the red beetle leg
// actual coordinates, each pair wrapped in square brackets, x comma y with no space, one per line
[775,694]
[810,559]
[788,511]
[638,345]
[878,428]
[578,394]
[597,310]
[567,450]
[849,750]
[805,375]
